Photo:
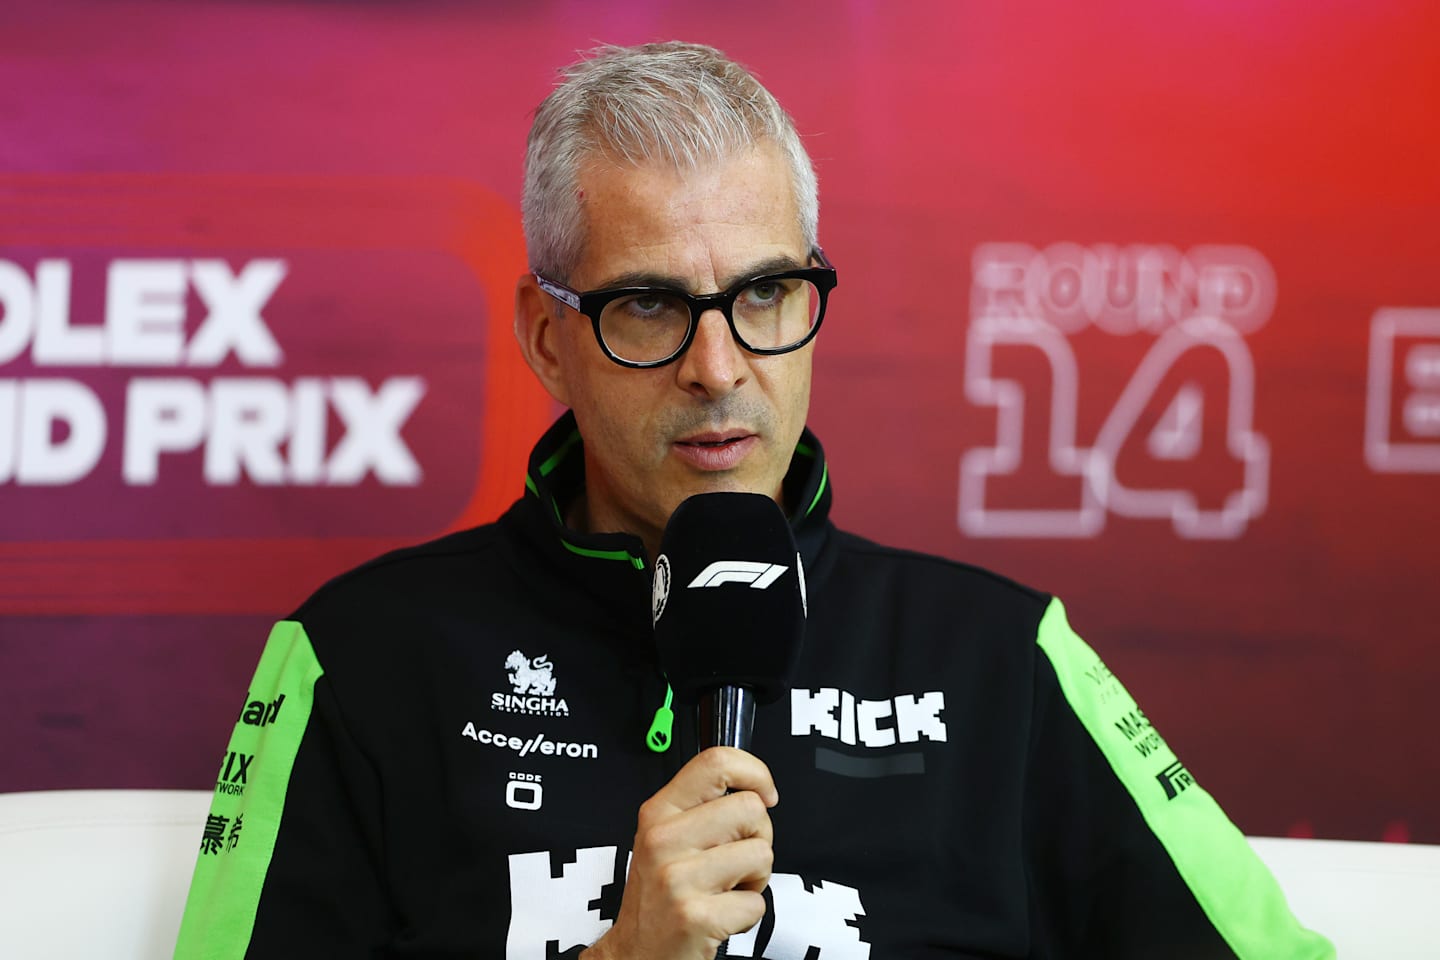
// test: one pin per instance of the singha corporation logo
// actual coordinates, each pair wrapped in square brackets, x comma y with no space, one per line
[533,683]
[531,676]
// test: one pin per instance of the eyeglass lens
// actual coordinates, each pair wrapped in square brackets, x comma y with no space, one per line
[769,314]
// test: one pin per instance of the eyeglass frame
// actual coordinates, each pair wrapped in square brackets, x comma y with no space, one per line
[592,304]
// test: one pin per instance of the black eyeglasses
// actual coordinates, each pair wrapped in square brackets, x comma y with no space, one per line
[653,326]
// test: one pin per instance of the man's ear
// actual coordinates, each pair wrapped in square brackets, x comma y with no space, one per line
[538,333]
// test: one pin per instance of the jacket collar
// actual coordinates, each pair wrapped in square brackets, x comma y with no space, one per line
[613,567]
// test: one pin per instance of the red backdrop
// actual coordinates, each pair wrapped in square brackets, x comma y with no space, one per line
[1138,304]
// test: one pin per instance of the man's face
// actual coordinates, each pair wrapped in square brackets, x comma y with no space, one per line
[718,418]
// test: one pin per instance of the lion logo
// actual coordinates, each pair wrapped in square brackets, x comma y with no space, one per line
[531,676]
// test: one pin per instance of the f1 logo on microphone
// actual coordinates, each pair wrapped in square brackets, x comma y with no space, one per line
[758,575]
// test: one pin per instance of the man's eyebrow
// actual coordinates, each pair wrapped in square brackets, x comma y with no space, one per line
[642,278]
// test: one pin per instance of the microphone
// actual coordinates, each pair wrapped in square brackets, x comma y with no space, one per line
[729,610]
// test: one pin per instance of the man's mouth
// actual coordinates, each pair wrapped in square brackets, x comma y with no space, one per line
[717,451]
[710,443]
[713,440]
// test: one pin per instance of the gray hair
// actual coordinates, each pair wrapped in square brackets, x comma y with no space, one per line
[682,103]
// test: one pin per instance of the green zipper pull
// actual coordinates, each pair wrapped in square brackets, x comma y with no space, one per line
[658,739]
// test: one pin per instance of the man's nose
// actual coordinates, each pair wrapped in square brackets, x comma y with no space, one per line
[715,364]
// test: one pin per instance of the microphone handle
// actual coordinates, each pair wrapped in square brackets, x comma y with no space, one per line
[726,717]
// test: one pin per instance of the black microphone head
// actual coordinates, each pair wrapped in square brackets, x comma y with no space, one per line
[729,597]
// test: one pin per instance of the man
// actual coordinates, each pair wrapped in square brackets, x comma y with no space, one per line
[445,750]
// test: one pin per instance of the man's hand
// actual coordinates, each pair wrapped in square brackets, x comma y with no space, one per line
[702,856]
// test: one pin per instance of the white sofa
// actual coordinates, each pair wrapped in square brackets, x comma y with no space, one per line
[96,874]
[103,874]
[1375,901]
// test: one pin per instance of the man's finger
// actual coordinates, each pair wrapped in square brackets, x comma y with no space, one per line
[712,774]
[744,865]
[737,911]
[726,819]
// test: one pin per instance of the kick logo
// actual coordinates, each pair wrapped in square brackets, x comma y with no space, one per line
[562,907]
[839,715]
[533,682]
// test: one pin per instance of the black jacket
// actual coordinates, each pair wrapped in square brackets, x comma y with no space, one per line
[443,752]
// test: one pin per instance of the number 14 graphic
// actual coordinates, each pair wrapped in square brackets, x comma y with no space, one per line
[1169,436]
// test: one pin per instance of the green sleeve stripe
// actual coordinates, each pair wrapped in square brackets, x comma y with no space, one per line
[1232,886]
[244,819]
